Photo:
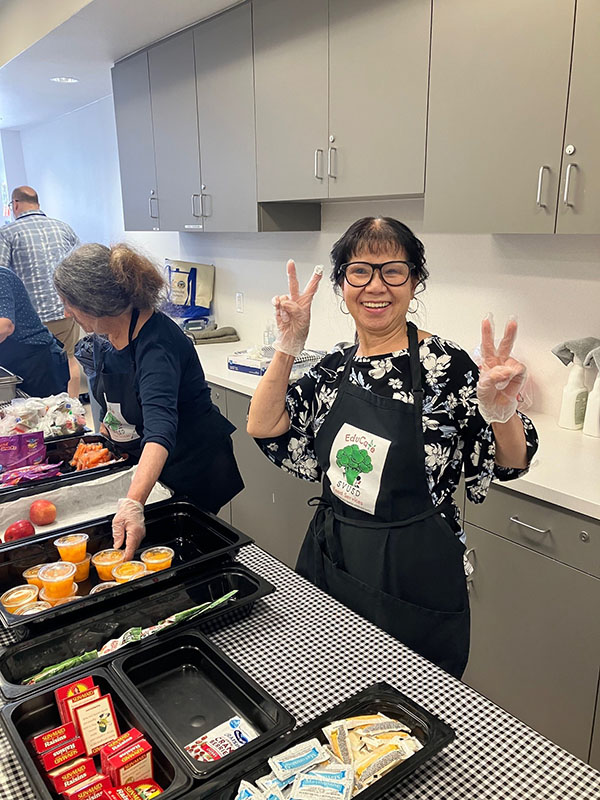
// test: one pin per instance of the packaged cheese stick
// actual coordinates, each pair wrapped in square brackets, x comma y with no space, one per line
[339,741]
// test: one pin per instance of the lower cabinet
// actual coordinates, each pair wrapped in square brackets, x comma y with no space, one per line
[272,508]
[535,639]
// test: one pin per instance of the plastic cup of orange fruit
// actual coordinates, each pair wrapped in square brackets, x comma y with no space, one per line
[72,547]
[32,577]
[128,571]
[57,579]
[102,586]
[14,599]
[33,608]
[105,561]
[157,558]
[82,570]
[55,601]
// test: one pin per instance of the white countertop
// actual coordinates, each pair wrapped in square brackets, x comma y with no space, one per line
[565,470]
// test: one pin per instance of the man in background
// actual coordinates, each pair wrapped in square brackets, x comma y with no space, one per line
[32,247]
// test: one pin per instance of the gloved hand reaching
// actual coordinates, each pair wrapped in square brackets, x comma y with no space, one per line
[128,525]
[501,377]
[292,312]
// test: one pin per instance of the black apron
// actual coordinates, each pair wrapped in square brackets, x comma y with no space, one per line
[43,367]
[377,543]
[209,482]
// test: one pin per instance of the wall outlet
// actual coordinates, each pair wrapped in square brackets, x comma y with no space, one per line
[239,302]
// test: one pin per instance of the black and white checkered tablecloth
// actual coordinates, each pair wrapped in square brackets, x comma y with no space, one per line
[310,652]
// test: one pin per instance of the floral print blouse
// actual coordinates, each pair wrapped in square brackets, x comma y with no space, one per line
[455,433]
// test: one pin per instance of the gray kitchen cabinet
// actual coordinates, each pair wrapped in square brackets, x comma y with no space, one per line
[175,123]
[133,117]
[498,93]
[579,199]
[378,76]
[225,91]
[219,397]
[290,63]
[272,508]
[340,109]
[535,638]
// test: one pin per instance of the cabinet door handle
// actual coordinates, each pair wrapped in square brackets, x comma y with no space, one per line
[330,152]
[570,167]
[538,200]
[194,207]
[204,205]
[318,157]
[150,199]
[517,521]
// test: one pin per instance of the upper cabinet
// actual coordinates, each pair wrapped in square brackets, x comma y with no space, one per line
[175,123]
[225,91]
[341,97]
[579,198]
[133,116]
[499,101]
[290,62]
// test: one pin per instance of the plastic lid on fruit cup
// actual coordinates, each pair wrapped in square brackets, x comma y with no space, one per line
[20,595]
[129,570]
[31,572]
[57,571]
[54,601]
[71,539]
[33,608]
[156,554]
[102,586]
[110,556]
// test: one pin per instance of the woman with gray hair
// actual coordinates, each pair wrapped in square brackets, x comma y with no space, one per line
[149,383]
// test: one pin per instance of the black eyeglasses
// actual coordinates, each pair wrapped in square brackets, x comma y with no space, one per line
[360,273]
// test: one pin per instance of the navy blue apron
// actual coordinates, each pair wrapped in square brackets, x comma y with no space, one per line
[376,542]
[209,478]
[43,367]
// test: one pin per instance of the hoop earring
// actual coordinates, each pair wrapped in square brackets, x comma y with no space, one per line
[413,310]
[342,302]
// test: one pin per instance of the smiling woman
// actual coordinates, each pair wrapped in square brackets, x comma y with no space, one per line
[388,425]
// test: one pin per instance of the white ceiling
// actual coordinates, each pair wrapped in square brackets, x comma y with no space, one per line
[85,47]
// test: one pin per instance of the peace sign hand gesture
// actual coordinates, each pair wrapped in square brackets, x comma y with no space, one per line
[292,312]
[501,377]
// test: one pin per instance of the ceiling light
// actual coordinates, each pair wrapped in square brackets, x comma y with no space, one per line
[64,79]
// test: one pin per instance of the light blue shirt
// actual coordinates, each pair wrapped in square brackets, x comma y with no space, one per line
[32,247]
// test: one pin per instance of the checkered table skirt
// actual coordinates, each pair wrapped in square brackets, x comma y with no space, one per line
[310,652]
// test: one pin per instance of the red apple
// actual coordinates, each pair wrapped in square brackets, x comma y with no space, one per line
[42,512]
[19,530]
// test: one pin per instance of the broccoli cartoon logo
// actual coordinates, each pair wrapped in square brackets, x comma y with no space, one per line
[353,461]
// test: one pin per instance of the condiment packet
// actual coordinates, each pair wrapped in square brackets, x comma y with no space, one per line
[339,741]
[222,740]
[270,782]
[246,791]
[331,783]
[385,726]
[299,758]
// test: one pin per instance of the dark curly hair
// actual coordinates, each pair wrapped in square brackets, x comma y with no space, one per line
[376,234]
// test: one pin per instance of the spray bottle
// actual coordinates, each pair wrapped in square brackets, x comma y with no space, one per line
[575,393]
[591,424]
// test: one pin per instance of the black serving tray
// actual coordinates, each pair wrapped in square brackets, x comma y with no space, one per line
[429,729]
[200,540]
[61,641]
[39,713]
[62,448]
[188,687]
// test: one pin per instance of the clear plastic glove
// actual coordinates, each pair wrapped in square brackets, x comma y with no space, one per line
[501,377]
[292,312]
[128,526]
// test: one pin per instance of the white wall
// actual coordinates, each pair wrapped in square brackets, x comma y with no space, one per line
[552,283]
